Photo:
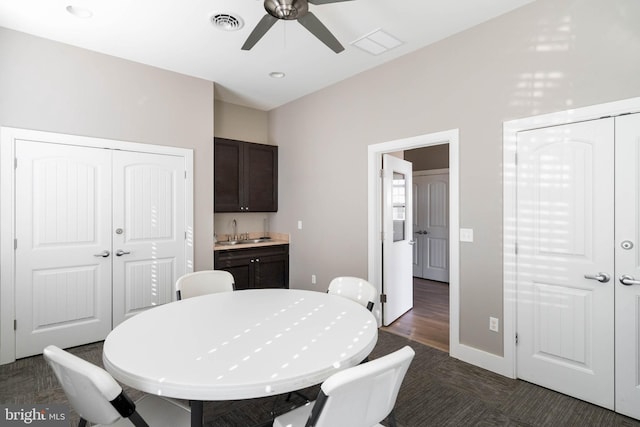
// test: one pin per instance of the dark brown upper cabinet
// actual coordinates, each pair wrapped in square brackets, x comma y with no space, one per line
[245,176]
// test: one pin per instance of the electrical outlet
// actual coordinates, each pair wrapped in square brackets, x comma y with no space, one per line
[466,234]
[313,279]
[494,324]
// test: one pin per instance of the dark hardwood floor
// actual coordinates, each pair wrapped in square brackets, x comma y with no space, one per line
[428,321]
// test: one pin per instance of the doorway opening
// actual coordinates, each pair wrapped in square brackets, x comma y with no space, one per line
[376,262]
[428,321]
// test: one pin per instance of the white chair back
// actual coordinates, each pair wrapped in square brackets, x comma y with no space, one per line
[89,389]
[361,396]
[354,288]
[364,395]
[204,282]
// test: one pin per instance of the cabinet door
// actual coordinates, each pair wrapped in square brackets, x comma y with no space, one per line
[260,169]
[227,175]
[242,272]
[265,267]
[236,263]
[272,271]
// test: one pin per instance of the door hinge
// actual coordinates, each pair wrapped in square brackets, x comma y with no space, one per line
[15,244]
[15,324]
[516,339]
[15,163]
[383,298]
[185,174]
[381,173]
[382,236]
[516,248]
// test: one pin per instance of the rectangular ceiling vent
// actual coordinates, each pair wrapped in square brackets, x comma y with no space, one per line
[377,42]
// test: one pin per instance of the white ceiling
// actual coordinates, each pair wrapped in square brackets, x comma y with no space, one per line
[178,36]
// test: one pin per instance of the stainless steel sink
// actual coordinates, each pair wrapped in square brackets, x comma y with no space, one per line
[245,241]
[258,240]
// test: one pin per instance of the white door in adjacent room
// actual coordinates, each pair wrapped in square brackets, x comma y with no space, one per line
[397,240]
[431,229]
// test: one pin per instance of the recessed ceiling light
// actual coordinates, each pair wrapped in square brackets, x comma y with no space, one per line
[276,74]
[79,12]
[227,22]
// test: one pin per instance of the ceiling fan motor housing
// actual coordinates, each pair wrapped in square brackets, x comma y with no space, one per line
[286,9]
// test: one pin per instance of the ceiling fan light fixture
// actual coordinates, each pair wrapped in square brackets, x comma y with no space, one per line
[79,12]
[227,22]
[277,75]
[286,9]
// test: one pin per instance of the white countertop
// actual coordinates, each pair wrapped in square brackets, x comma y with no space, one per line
[239,345]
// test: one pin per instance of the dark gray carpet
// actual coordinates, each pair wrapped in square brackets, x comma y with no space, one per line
[437,391]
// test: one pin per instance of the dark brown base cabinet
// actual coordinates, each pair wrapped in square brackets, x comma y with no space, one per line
[252,268]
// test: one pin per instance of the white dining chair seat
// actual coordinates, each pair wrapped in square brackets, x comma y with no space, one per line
[159,411]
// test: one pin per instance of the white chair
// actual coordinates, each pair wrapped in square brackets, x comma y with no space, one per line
[354,288]
[100,400]
[361,396]
[204,282]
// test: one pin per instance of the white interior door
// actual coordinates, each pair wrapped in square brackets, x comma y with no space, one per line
[431,233]
[565,315]
[148,230]
[397,231]
[63,217]
[627,299]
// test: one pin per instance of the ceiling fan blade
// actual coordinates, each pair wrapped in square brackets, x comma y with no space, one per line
[260,30]
[325,1]
[317,28]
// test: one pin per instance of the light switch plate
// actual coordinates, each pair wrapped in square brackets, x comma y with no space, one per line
[466,234]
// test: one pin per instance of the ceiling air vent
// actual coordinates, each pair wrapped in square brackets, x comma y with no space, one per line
[226,22]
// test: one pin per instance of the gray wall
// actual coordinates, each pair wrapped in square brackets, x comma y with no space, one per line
[49,86]
[551,55]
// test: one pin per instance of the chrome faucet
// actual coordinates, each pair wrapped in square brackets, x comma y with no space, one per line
[234,228]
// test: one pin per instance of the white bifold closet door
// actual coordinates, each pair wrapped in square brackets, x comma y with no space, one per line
[99,237]
[578,280]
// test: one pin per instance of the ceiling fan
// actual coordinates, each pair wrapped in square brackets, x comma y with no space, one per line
[294,10]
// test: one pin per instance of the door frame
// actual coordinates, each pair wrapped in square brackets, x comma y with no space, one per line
[375,152]
[8,136]
[509,226]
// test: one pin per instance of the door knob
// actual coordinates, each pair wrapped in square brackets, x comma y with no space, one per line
[600,277]
[120,252]
[103,254]
[627,280]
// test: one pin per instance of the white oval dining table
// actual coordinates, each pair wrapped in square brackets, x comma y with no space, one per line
[239,345]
